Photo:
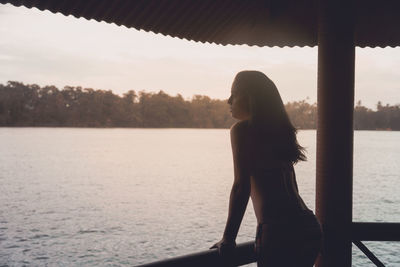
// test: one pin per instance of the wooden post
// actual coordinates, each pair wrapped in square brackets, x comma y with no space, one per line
[336,55]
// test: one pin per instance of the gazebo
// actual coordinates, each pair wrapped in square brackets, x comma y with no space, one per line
[336,27]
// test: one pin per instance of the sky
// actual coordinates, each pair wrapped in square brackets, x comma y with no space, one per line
[39,47]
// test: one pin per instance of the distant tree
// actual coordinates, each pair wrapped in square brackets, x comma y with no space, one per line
[302,114]
[362,117]
[129,109]
[32,105]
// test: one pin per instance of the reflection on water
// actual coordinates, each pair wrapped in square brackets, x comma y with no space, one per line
[129,196]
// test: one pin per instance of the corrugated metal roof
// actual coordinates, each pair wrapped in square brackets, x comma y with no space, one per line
[252,22]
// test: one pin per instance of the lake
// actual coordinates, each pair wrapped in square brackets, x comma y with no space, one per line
[118,197]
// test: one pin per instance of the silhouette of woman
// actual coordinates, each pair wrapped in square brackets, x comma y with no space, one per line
[264,148]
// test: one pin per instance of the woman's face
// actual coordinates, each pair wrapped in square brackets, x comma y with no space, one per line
[239,103]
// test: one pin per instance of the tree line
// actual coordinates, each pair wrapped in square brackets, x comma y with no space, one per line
[32,105]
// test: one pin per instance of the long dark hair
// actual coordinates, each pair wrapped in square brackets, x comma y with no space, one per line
[269,123]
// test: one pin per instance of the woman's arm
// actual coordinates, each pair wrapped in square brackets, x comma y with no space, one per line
[240,192]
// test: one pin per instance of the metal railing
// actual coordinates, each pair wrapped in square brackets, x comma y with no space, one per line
[244,253]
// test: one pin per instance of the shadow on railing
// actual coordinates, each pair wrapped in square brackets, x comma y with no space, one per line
[244,253]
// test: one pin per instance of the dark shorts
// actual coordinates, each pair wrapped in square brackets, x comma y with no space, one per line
[291,243]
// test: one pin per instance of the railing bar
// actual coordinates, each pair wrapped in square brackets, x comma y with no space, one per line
[376,231]
[368,253]
[243,254]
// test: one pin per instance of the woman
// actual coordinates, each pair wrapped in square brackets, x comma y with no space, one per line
[264,148]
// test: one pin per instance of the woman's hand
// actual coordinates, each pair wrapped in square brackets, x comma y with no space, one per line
[224,246]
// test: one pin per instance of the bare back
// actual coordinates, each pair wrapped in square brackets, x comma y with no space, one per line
[274,191]
[275,196]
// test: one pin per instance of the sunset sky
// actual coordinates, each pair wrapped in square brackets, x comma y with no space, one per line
[52,49]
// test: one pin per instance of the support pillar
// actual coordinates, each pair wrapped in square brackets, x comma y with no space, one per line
[334,185]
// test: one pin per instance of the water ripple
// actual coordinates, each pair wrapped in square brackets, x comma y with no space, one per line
[90,232]
[39,236]
[42,258]
[154,194]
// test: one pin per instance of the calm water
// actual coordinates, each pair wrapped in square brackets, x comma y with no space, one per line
[116,197]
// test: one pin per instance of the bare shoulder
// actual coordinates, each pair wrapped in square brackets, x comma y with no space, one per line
[240,144]
[239,131]
[240,127]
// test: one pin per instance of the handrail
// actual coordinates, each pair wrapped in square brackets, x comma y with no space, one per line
[243,254]
[376,231]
